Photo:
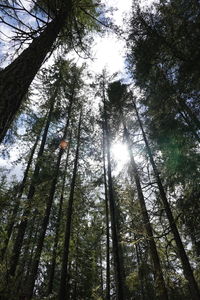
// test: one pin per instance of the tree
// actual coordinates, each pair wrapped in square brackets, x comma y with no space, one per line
[162,60]
[183,256]
[70,19]
[107,221]
[118,263]
[95,221]
[116,92]
[62,290]
[18,197]
[57,227]
[45,220]
[31,192]
[164,64]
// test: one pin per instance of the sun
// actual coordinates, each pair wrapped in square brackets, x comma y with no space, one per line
[120,154]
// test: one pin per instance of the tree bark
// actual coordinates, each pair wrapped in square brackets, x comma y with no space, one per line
[62,289]
[161,291]
[194,290]
[17,77]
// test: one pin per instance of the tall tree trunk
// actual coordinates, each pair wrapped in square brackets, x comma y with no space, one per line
[74,291]
[160,288]
[62,289]
[45,221]
[118,265]
[107,224]
[101,273]
[140,275]
[17,77]
[23,224]
[18,198]
[195,294]
[57,228]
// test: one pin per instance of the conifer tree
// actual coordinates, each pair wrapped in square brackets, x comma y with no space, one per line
[62,290]
[117,254]
[63,18]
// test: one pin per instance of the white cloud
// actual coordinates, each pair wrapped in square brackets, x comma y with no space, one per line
[109,50]
[108,53]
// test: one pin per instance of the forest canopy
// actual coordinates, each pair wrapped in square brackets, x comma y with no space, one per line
[101,200]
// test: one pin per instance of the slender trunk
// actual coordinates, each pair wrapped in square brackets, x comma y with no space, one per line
[107,224]
[75,285]
[74,292]
[190,125]
[160,288]
[195,242]
[17,77]
[23,224]
[62,289]
[38,251]
[120,290]
[101,272]
[195,294]
[18,198]
[57,229]
[140,275]
[68,285]
[181,103]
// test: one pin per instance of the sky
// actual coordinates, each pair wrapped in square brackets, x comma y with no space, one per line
[108,52]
